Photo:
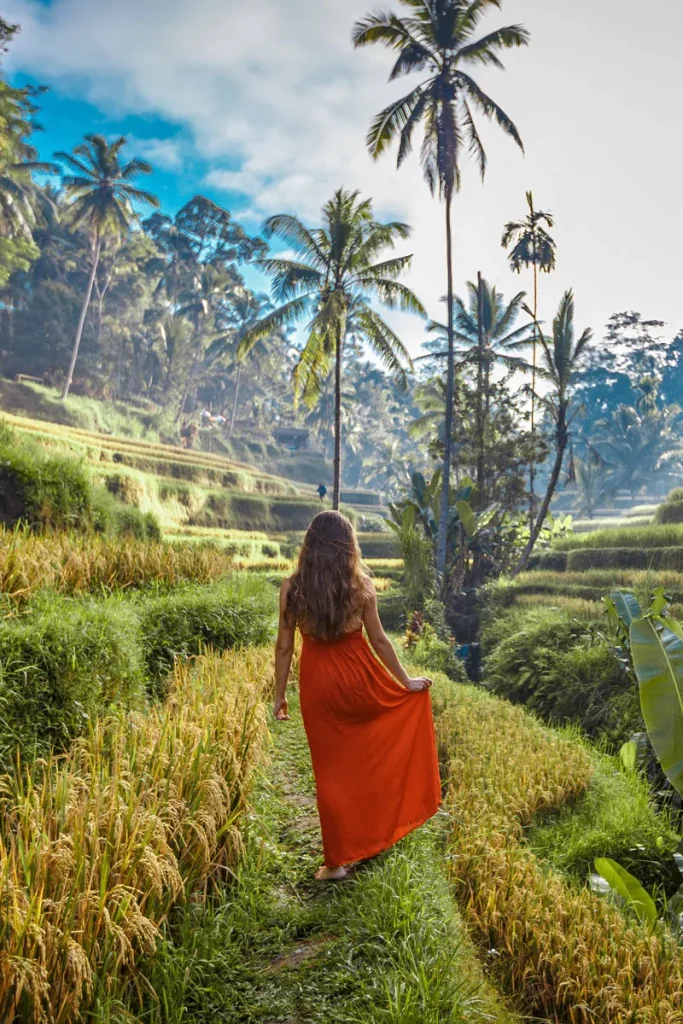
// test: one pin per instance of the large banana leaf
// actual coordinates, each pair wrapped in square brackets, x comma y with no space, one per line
[628,887]
[657,654]
[627,607]
[467,517]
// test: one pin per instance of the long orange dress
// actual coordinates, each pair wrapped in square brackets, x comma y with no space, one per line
[372,747]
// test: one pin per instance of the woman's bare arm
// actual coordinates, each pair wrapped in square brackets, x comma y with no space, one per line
[284,649]
[384,649]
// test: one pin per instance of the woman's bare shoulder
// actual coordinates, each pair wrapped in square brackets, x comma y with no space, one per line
[285,587]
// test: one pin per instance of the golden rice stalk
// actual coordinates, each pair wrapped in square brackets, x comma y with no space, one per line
[75,564]
[567,954]
[97,846]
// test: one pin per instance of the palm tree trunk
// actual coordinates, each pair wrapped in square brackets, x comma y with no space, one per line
[337,420]
[193,370]
[562,440]
[234,406]
[480,396]
[442,541]
[532,464]
[81,321]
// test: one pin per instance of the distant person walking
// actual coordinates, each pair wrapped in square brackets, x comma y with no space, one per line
[369,724]
[322,491]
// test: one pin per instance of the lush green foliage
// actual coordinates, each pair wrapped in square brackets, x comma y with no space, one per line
[238,612]
[563,669]
[65,661]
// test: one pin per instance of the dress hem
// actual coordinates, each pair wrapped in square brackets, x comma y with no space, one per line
[374,851]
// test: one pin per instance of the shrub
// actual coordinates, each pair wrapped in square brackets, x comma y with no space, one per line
[62,664]
[675,495]
[236,613]
[432,653]
[671,512]
[565,671]
[110,517]
[140,815]
[368,522]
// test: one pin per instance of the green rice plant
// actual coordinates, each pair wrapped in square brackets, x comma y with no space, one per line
[100,845]
[553,561]
[614,818]
[379,546]
[667,558]
[361,497]
[61,666]
[624,522]
[576,607]
[238,612]
[655,536]
[565,953]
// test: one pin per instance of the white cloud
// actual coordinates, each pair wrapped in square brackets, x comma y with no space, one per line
[165,153]
[274,97]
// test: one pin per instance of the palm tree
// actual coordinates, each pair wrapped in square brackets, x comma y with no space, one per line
[18,160]
[246,309]
[329,286]
[101,193]
[486,335]
[560,358]
[636,444]
[209,288]
[532,246]
[439,36]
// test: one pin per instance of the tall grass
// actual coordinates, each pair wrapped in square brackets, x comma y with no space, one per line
[98,846]
[567,954]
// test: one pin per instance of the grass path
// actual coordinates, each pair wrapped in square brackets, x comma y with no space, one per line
[385,947]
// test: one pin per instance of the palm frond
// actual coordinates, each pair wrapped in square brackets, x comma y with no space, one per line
[278,319]
[490,108]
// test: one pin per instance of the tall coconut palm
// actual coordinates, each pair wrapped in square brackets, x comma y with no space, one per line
[532,246]
[246,309]
[560,356]
[338,270]
[440,37]
[208,290]
[486,335]
[101,193]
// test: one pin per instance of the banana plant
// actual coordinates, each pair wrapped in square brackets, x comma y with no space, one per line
[657,653]
[620,881]
[467,530]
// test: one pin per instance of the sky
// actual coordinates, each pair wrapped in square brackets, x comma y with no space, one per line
[264,106]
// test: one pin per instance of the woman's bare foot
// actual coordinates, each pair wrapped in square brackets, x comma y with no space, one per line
[324,874]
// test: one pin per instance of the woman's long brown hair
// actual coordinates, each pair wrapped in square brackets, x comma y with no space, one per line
[329,585]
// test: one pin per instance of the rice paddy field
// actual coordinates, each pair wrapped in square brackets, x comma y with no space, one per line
[158,829]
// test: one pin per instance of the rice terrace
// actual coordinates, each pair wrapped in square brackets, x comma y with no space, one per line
[341,512]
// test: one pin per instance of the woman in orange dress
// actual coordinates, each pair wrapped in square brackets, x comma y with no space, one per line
[369,724]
